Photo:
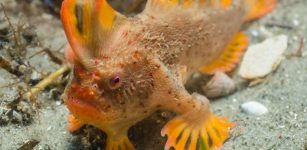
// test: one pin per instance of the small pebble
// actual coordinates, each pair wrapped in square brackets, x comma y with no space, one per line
[255,33]
[58,103]
[22,68]
[17,116]
[24,107]
[296,22]
[254,108]
[3,110]
[49,128]
[35,76]
[196,75]
[46,16]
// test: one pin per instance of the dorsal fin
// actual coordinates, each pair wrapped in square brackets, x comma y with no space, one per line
[87,24]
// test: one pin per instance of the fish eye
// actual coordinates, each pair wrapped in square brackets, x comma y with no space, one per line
[115,82]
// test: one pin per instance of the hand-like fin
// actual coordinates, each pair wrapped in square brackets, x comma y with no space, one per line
[229,57]
[87,24]
[209,134]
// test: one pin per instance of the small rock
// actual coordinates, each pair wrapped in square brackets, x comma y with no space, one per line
[17,116]
[196,75]
[254,108]
[49,128]
[25,107]
[263,58]
[255,33]
[219,85]
[22,68]
[46,16]
[35,76]
[296,22]
[58,103]
[55,94]
[3,110]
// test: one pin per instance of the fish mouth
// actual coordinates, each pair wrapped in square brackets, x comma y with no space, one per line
[80,107]
[84,110]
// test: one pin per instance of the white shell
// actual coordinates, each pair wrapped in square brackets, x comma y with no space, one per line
[263,58]
[254,108]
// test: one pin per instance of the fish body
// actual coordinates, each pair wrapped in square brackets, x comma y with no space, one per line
[206,34]
[127,68]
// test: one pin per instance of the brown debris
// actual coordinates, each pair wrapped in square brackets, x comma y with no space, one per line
[299,52]
[29,145]
[8,66]
[56,59]
[30,95]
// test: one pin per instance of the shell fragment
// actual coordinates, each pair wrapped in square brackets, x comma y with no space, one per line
[263,58]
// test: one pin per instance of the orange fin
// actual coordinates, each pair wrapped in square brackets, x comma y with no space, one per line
[259,8]
[74,124]
[87,23]
[209,135]
[229,57]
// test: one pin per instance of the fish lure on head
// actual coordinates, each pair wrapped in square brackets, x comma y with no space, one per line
[127,68]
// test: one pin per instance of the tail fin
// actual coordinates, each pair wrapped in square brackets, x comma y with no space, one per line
[259,8]
[230,56]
